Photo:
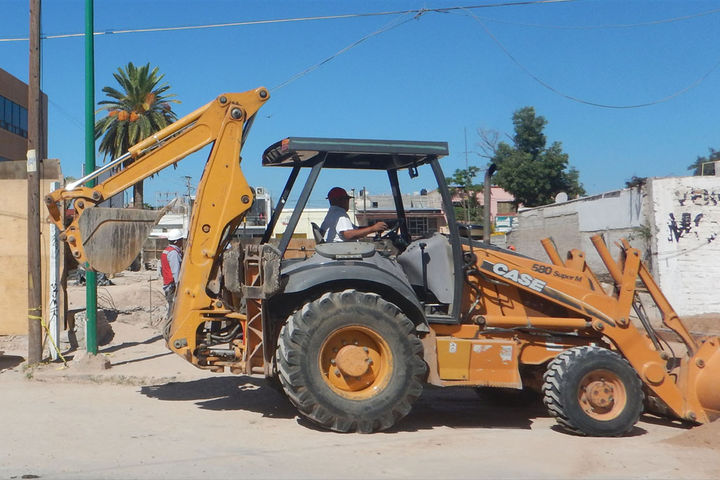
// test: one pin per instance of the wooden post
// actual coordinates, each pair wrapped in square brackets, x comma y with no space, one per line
[34,163]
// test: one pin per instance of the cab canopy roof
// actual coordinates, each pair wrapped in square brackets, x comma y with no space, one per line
[352,154]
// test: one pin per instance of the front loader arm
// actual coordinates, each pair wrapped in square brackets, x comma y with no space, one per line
[689,391]
[92,240]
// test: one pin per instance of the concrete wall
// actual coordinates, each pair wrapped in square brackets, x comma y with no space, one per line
[685,218]
[615,215]
[13,238]
[304,227]
[675,222]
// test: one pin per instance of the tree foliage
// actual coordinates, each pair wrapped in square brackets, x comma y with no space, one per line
[462,183]
[530,170]
[635,181]
[139,109]
[697,166]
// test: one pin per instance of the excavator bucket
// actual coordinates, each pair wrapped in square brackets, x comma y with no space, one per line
[707,387]
[113,237]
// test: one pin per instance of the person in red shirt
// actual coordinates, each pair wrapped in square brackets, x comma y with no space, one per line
[170,262]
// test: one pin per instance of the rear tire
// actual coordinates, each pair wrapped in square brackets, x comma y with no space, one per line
[350,361]
[593,391]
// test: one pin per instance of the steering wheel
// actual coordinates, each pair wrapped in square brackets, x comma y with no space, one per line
[389,233]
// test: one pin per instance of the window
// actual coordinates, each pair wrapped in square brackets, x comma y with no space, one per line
[23,122]
[13,117]
[505,208]
[417,225]
[15,127]
[8,113]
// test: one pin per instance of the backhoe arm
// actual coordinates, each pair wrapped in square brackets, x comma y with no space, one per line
[105,241]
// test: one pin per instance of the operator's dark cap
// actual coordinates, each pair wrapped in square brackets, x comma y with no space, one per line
[337,193]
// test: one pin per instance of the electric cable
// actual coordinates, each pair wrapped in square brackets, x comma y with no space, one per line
[583,101]
[386,28]
[608,26]
[291,20]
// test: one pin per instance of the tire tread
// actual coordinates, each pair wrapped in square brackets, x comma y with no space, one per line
[294,334]
[555,380]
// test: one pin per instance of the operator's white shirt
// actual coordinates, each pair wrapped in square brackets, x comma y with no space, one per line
[336,221]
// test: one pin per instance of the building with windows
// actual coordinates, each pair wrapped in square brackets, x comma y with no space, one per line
[423,211]
[502,207]
[425,214]
[14,118]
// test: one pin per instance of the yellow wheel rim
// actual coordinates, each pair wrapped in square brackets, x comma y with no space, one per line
[602,395]
[356,362]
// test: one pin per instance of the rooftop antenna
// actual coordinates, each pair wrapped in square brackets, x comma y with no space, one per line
[188,185]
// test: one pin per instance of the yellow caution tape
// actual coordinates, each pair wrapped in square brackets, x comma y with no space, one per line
[49,335]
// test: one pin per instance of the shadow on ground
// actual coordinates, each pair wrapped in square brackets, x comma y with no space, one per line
[634,432]
[464,408]
[226,393]
[451,407]
[123,345]
[10,361]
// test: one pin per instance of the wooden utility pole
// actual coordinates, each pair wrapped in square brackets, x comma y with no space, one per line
[34,167]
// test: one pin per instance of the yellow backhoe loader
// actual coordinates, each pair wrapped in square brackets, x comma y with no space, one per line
[354,330]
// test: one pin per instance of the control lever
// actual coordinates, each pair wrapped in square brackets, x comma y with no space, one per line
[424,263]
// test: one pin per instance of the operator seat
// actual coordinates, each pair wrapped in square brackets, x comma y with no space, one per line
[318,233]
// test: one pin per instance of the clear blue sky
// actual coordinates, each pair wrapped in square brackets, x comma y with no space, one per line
[432,78]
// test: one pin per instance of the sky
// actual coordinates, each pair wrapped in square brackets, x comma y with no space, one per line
[435,76]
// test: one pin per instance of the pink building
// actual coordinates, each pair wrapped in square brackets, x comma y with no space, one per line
[501,202]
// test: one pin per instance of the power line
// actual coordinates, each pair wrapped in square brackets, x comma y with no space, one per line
[375,14]
[607,26]
[384,29]
[580,100]
[297,19]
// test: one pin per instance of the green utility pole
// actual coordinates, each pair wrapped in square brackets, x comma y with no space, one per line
[90,277]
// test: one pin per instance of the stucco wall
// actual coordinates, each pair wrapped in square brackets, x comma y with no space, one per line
[674,221]
[13,238]
[685,217]
[615,215]
[303,229]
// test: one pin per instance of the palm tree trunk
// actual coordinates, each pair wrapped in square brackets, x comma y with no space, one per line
[138,195]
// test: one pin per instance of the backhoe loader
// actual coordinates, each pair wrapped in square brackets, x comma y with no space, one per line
[354,330]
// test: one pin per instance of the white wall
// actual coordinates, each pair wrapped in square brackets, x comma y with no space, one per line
[674,221]
[308,215]
[570,224]
[685,216]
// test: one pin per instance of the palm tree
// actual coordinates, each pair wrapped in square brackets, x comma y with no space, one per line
[139,109]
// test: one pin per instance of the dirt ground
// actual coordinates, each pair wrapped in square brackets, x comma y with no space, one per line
[152,415]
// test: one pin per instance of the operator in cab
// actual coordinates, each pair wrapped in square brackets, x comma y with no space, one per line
[337,225]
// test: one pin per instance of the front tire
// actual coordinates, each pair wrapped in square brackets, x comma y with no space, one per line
[593,391]
[350,361]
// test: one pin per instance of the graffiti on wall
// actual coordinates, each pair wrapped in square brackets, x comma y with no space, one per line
[698,196]
[681,228]
[686,223]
